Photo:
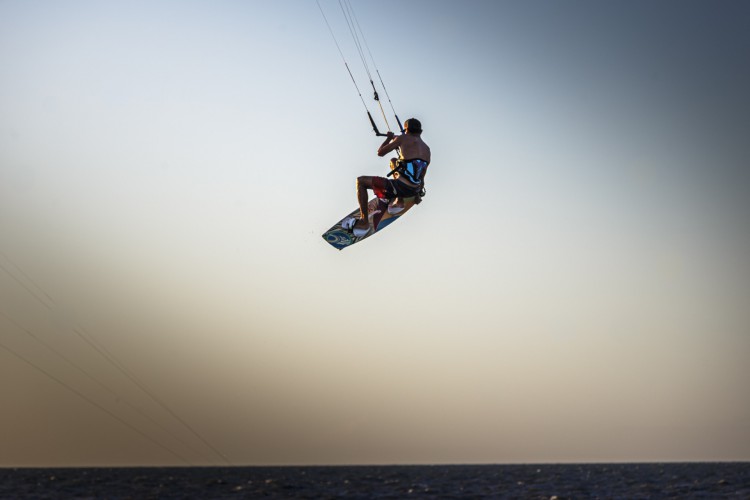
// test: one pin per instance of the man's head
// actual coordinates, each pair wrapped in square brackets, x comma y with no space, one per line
[413,126]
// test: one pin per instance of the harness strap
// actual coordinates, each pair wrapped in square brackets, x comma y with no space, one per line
[415,170]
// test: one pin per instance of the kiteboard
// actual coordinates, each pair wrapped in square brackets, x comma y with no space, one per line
[380,214]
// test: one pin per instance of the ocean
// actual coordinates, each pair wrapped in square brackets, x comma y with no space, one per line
[541,481]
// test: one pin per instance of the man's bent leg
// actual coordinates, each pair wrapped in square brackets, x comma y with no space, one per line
[363,184]
[397,201]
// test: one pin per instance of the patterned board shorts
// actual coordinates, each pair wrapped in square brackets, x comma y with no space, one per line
[389,188]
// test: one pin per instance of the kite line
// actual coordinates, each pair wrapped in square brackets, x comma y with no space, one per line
[360,42]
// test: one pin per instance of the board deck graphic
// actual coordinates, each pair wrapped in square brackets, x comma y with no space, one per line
[381,215]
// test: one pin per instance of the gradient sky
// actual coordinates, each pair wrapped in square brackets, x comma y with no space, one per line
[575,286]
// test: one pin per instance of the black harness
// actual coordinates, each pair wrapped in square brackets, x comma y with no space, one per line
[413,169]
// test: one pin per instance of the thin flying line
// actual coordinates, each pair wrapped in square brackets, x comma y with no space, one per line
[88,339]
[355,37]
[25,287]
[100,383]
[342,56]
[354,26]
[92,402]
[121,367]
[27,277]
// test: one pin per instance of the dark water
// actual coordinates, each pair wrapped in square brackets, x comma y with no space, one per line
[625,481]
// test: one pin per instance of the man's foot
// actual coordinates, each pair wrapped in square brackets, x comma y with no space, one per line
[396,207]
[361,228]
[361,224]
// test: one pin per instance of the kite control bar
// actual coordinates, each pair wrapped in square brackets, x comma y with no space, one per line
[375,127]
[379,134]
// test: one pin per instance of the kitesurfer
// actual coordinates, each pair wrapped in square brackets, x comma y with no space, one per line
[408,176]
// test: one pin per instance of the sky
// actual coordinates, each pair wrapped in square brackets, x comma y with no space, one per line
[574,287]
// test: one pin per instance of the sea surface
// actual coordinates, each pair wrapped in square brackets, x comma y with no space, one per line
[565,481]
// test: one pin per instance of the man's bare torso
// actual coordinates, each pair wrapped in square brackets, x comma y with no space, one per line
[412,147]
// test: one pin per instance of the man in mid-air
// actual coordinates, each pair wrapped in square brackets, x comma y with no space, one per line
[409,171]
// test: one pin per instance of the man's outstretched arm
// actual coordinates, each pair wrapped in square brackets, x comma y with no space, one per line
[391,142]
